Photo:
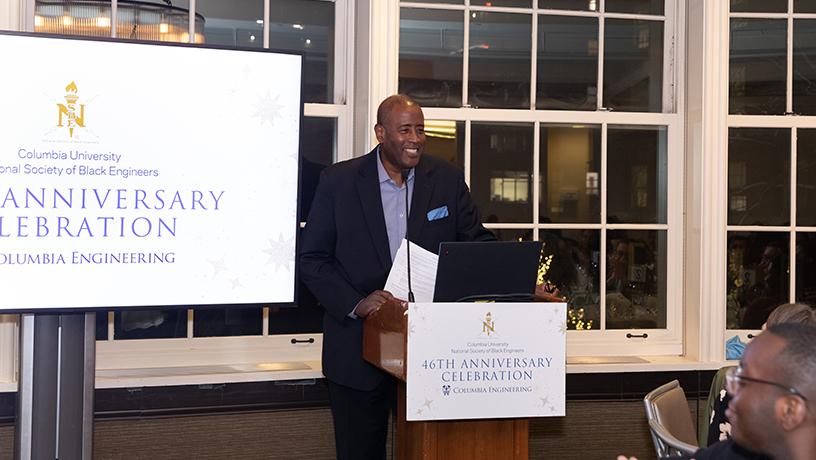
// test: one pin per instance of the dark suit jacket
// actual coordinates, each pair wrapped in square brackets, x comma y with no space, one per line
[345,255]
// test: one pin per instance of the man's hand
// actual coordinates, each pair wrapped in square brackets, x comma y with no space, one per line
[372,303]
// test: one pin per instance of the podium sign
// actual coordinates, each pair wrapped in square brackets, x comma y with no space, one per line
[485,360]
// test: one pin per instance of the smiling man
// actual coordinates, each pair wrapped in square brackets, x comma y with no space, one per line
[355,226]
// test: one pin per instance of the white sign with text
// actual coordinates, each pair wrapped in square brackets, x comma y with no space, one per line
[486,360]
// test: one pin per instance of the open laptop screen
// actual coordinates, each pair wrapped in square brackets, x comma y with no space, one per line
[492,270]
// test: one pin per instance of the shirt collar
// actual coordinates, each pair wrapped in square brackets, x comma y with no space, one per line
[382,174]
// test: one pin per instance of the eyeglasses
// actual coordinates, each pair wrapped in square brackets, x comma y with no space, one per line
[734,380]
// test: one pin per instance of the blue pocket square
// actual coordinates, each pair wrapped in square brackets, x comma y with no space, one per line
[438,213]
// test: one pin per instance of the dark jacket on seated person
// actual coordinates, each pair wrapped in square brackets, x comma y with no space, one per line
[723,450]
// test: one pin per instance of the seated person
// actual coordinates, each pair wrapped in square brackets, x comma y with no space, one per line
[719,427]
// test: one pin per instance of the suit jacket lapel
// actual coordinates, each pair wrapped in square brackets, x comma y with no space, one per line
[423,190]
[368,188]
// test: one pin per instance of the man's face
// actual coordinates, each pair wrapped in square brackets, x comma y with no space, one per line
[402,135]
[752,409]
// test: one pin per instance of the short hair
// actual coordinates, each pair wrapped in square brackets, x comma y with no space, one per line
[792,313]
[797,361]
[390,102]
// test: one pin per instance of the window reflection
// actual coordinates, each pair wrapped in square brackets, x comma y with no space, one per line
[571,259]
[758,277]
[317,150]
[636,279]
[806,268]
[513,234]
[570,173]
[306,26]
[228,24]
[804,68]
[577,5]
[633,65]
[758,176]
[637,168]
[445,139]
[500,48]
[757,66]
[430,66]
[567,74]
[501,171]
[220,322]
[150,323]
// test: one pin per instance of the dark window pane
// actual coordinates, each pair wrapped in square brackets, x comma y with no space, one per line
[150,324]
[757,66]
[804,67]
[101,325]
[757,277]
[516,3]
[759,6]
[636,279]
[431,50]
[636,166]
[445,139]
[232,24]
[500,48]
[305,317]
[570,170]
[220,322]
[804,6]
[758,176]
[633,65]
[459,2]
[806,177]
[576,5]
[306,26]
[806,268]
[501,171]
[571,260]
[567,74]
[317,147]
[635,6]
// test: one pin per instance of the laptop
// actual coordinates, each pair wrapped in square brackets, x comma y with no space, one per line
[487,270]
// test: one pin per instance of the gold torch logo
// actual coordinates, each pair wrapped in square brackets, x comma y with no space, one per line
[488,326]
[68,115]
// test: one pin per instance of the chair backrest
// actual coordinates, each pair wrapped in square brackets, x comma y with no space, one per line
[670,420]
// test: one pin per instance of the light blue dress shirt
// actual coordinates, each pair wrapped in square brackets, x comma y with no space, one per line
[393,204]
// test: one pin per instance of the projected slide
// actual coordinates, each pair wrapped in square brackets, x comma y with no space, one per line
[138,175]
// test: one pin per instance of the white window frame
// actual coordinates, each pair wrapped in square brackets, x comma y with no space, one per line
[667,341]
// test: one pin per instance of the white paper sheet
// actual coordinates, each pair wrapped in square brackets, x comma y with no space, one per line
[423,273]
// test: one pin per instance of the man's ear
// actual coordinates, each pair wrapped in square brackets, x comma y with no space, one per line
[379,131]
[791,412]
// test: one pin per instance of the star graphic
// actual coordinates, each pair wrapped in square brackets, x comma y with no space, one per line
[562,328]
[268,109]
[419,412]
[218,266]
[544,401]
[552,408]
[236,282]
[428,403]
[280,252]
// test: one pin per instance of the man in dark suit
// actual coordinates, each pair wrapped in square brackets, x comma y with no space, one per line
[356,224]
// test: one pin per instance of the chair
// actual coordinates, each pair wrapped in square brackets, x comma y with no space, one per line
[670,421]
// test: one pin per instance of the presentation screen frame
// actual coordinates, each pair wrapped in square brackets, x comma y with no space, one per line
[273,253]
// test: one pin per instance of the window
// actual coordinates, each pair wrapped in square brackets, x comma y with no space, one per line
[770,206]
[562,115]
[317,28]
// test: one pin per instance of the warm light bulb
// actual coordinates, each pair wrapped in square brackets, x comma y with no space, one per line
[67,21]
[103,22]
[38,21]
[163,28]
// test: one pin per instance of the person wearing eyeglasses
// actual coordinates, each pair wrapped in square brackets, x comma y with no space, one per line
[773,405]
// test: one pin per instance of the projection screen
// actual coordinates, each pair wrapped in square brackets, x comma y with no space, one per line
[136,174]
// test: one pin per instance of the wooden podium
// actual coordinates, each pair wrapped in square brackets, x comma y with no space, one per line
[385,335]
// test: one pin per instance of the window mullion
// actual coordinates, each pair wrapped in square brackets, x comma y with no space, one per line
[792,246]
[789,73]
[602,249]
[601,42]
[466,59]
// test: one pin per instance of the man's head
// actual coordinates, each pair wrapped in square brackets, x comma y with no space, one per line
[400,129]
[774,391]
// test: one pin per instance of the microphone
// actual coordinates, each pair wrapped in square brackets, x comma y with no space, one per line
[405,173]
